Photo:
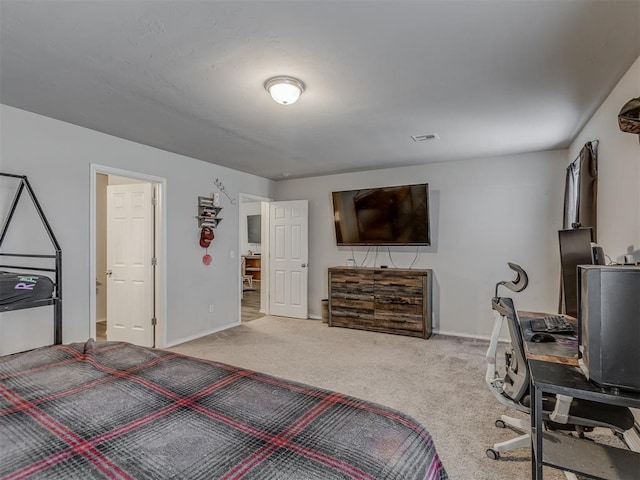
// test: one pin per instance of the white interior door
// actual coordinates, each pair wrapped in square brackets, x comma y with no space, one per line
[129,263]
[288,258]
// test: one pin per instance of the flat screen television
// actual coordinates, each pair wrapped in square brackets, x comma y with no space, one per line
[254,228]
[397,215]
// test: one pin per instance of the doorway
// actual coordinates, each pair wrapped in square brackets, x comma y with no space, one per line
[127,252]
[253,222]
[273,269]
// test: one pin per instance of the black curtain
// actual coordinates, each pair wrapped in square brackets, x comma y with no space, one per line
[581,197]
[581,190]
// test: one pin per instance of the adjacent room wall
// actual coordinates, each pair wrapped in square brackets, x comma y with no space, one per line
[484,213]
[56,157]
[618,171]
[248,207]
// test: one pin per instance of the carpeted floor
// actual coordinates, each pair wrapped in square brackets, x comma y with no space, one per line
[439,381]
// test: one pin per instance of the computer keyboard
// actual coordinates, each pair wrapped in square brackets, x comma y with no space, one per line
[551,324]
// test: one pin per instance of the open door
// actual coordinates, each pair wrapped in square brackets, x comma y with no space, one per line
[130,269]
[288,258]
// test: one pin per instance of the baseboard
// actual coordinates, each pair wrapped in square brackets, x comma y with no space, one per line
[173,343]
[467,335]
[319,317]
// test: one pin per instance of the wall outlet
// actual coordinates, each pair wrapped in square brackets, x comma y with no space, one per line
[351,262]
[212,308]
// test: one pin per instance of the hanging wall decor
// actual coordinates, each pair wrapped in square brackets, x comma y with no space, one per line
[220,186]
[208,213]
[208,220]
[629,116]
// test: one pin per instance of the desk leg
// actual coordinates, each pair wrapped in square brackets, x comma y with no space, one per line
[536,434]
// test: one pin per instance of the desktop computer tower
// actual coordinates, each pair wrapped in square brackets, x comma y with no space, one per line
[609,325]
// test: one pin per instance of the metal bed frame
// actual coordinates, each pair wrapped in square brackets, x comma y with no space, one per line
[56,297]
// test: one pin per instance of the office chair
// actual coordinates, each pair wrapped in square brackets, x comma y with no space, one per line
[512,388]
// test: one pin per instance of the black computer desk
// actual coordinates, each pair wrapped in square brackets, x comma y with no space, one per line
[553,369]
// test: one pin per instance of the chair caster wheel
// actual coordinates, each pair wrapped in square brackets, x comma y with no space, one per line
[493,454]
[500,424]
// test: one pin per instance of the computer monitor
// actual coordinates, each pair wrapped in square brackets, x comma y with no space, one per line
[609,325]
[575,249]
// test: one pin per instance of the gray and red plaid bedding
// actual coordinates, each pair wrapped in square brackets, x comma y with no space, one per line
[115,410]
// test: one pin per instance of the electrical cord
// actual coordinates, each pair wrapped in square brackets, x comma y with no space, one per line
[366,256]
[611,262]
[353,256]
[415,258]
[391,259]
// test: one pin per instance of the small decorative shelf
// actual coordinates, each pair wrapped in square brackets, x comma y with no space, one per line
[208,213]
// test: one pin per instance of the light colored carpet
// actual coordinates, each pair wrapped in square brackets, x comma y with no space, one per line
[439,381]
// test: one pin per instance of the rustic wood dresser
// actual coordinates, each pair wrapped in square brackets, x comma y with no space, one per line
[389,300]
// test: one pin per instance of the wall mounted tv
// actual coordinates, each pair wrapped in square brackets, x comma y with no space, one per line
[382,216]
[254,227]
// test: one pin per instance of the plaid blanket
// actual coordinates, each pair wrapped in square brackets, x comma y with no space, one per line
[115,410]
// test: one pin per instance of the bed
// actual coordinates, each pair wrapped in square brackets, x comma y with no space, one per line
[24,280]
[116,410]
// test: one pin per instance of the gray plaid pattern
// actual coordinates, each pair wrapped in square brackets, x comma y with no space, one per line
[115,410]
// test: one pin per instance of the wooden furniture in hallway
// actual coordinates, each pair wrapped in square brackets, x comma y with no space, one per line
[389,300]
[253,266]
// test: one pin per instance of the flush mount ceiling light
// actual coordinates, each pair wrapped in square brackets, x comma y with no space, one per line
[284,90]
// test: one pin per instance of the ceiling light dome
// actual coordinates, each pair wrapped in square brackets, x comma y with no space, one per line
[284,90]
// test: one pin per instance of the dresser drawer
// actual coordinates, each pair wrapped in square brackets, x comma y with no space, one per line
[391,278]
[352,290]
[412,321]
[352,302]
[352,318]
[353,276]
[399,298]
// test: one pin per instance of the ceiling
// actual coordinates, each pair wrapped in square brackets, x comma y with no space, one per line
[489,77]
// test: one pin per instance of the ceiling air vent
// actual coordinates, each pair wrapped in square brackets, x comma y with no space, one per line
[426,137]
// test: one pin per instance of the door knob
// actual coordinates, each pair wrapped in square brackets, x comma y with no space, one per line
[108,273]
[304,265]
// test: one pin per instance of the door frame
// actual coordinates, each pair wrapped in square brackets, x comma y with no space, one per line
[160,247]
[264,261]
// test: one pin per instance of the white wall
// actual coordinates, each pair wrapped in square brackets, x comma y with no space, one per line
[56,157]
[618,171]
[484,213]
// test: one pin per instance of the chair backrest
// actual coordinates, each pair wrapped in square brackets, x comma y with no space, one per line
[516,382]
[521,281]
